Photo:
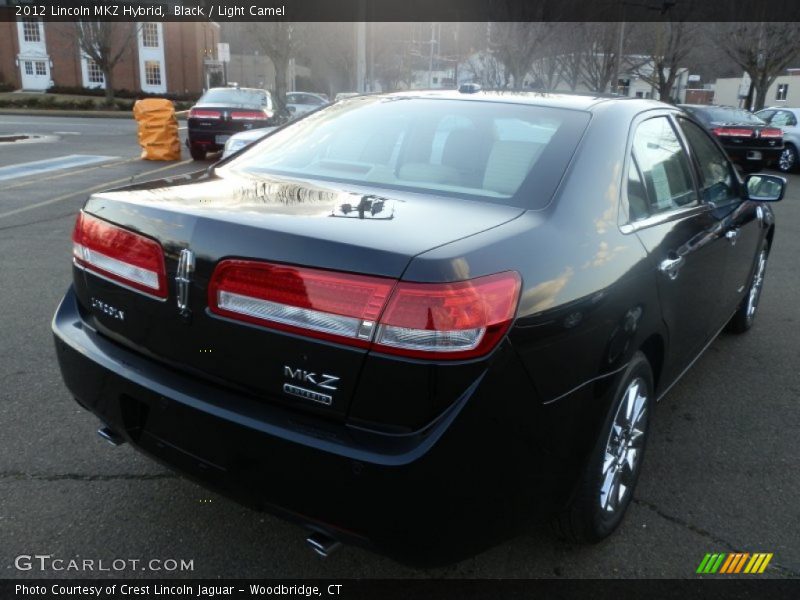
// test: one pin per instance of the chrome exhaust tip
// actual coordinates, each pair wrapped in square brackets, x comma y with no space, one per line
[111,436]
[322,544]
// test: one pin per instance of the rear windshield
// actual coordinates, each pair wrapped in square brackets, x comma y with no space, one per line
[236,97]
[510,153]
[720,115]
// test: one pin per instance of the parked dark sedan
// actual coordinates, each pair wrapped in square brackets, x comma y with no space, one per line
[416,321]
[748,140]
[222,112]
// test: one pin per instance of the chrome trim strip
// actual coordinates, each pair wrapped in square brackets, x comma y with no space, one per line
[666,217]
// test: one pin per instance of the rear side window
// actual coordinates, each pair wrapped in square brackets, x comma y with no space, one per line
[783,118]
[237,97]
[664,166]
[509,153]
[718,185]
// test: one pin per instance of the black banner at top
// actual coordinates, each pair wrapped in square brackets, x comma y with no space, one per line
[402,10]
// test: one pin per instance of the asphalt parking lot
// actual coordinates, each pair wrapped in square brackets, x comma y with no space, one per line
[721,475]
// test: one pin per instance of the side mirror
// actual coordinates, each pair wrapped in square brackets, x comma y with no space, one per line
[765,188]
[291,109]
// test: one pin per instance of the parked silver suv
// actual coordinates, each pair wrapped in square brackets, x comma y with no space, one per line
[787,119]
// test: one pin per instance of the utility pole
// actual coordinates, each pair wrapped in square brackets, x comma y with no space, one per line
[618,58]
[361,58]
[430,57]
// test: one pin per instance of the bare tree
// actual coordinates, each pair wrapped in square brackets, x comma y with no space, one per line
[280,41]
[572,54]
[330,52]
[762,50]
[600,57]
[666,47]
[516,45]
[105,43]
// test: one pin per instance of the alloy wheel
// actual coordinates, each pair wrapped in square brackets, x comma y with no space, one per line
[624,447]
[755,287]
[787,159]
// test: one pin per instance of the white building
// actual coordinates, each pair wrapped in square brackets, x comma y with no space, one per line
[785,91]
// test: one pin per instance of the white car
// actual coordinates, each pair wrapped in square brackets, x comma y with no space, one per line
[787,119]
[240,140]
[300,103]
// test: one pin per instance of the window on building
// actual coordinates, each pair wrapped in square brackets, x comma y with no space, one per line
[28,67]
[783,91]
[93,72]
[41,67]
[150,35]
[152,72]
[31,31]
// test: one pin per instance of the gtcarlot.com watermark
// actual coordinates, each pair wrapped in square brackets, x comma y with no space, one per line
[50,563]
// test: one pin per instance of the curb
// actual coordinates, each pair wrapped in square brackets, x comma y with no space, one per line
[81,114]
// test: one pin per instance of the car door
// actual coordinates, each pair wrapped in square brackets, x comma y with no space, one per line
[739,219]
[680,233]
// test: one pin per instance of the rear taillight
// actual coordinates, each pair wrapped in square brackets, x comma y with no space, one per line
[119,255]
[199,113]
[451,320]
[248,115]
[732,132]
[423,320]
[771,132]
[323,304]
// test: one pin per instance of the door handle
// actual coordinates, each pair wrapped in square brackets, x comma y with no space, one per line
[731,235]
[671,266]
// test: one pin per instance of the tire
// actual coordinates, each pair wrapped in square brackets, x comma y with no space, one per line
[745,315]
[197,152]
[607,483]
[787,161]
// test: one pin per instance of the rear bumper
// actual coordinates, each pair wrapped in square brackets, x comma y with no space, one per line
[211,139]
[465,482]
[745,155]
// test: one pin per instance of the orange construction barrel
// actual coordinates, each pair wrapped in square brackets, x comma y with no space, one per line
[158,129]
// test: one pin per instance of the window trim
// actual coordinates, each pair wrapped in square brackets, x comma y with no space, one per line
[624,223]
[694,159]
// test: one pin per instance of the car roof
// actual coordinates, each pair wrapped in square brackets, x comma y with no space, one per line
[575,101]
[237,89]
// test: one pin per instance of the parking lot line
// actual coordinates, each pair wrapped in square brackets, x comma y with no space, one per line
[71,173]
[95,188]
[37,167]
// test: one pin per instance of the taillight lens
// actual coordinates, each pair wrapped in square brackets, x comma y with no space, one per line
[336,306]
[771,132]
[423,320]
[119,255]
[453,320]
[199,113]
[248,115]
[732,132]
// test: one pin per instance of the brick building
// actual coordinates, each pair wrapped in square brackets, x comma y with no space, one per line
[159,58]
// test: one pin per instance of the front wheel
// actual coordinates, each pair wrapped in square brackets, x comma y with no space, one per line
[745,315]
[606,486]
[787,161]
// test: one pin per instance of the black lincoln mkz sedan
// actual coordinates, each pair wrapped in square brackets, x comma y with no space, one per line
[416,321]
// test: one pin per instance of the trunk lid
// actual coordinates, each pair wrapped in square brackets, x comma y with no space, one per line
[322,225]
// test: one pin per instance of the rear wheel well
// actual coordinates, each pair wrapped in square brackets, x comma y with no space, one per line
[653,349]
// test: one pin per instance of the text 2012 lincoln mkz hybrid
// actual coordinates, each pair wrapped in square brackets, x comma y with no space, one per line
[416,321]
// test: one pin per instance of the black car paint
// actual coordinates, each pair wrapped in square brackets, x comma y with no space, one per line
[739,147]
[204,132]
[426,462]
